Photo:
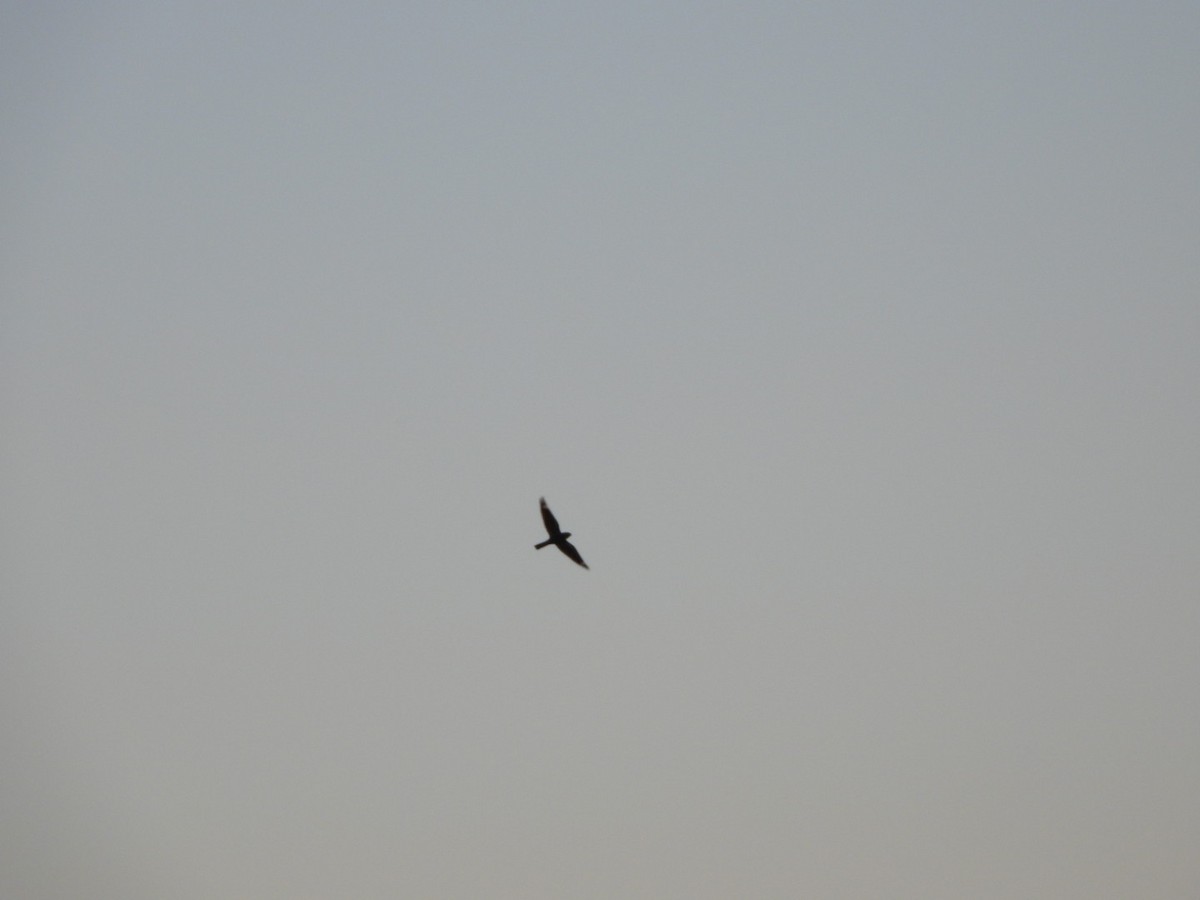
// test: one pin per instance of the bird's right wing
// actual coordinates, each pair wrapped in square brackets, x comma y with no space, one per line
[551,522]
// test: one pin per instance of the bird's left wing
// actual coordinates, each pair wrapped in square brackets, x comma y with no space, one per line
[569,549]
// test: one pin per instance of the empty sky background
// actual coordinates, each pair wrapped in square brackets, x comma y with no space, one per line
[858,344]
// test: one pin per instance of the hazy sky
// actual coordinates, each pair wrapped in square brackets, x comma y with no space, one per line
[857,344]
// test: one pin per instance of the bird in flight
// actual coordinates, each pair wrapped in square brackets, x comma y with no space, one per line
[558,537]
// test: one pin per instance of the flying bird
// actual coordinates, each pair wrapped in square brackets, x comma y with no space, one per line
[558,537]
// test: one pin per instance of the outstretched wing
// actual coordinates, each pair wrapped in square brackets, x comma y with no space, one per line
[551,523]
[569,549]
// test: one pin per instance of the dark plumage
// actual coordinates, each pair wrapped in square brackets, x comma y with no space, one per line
[558,537]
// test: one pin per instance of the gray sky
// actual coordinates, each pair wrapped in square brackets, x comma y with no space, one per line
[858,345]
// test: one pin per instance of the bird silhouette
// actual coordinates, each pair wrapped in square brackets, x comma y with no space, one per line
[558,537]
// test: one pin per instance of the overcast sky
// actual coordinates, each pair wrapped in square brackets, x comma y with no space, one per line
[857,343]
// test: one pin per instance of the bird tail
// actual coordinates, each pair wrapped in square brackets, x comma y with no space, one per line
[542,544]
